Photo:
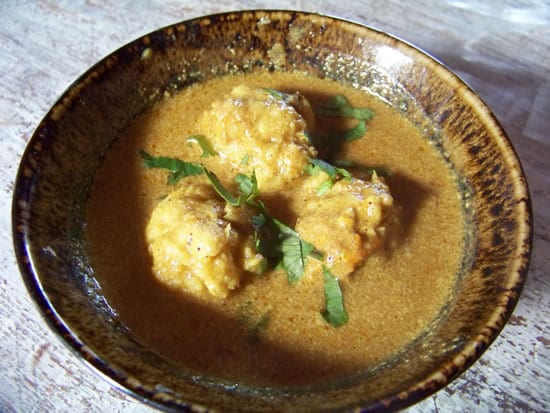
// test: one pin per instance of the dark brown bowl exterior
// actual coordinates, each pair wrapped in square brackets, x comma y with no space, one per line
[62,156]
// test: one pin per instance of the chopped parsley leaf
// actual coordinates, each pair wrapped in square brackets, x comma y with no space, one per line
[245,160]
[347,164]
[179,169]
[354,133]
[334,173]
[294,251]
[277,93]
[331,144]
[281,245]
[339,106]
[253,324]
[334,313]
[222,190]
[248,186]
[261,324]
[202,141]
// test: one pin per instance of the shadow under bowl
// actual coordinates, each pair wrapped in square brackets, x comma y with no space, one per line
[58,168]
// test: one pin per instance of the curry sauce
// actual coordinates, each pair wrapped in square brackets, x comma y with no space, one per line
[266,331]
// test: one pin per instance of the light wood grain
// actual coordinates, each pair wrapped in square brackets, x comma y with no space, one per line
[501,48]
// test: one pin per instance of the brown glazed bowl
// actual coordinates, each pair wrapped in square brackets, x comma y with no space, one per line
[59,163]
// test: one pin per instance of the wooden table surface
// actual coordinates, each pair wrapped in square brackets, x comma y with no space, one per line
[501,48]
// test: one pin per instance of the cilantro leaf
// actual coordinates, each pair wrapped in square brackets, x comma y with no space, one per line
[331,144]
[345,163]
[331,170]
[280,244]
[248,186]
[252,322]
[258,221]
[266,237]
[222,190]
[335,174]
[276,241]
[261,324]
[325,187]
[294,251]
[339,106]
[294,254]
[354,133]
[334,313]
[277,93]
[179,169]
[206,147]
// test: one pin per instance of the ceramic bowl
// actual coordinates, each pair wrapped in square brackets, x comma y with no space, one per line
[59,163]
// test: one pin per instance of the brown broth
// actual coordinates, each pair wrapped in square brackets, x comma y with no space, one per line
[391,299]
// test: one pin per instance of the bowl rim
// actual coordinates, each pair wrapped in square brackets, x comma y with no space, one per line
[429,385]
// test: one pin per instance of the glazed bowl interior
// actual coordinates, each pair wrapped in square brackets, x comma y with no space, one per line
[59,165]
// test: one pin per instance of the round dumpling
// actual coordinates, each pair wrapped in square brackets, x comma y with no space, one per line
[263,131]
[347,223]
[193,247]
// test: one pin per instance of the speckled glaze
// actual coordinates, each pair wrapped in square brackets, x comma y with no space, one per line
[62,156]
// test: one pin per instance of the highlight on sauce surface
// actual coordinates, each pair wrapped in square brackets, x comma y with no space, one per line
[275,229]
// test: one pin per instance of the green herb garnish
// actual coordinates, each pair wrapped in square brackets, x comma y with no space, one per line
[277,93]
[253,325]
[260,325]
[331,144]
[222,190]
[334,313]
[179,169]
[334,173]
[202,141]
[276,241]
[281,245]
[245,160]
[353,133]
[347,164]
[248,185]
[294,251]
[339,106]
